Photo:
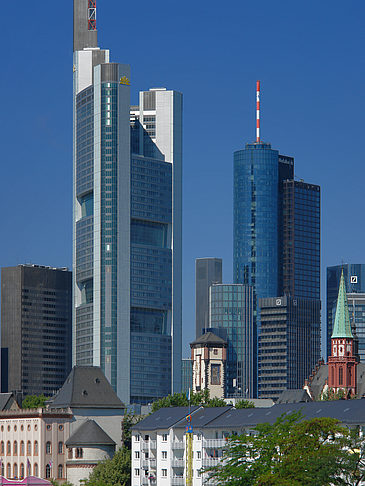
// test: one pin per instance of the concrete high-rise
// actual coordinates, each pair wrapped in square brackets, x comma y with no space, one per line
[127,223]
[36,308]
[208,271]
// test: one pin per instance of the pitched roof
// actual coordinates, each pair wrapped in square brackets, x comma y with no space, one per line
[209,338]
[342,326]
[165,418]
[89,433]
[4,400]
[203,416]
[86,387]
[294,396]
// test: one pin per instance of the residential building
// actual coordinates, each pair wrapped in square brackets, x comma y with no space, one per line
[209,355]
[231,317]
[36,306]
[289,343]
[208,271]
[159,445]
[354,275]
[127,223]
[186,375]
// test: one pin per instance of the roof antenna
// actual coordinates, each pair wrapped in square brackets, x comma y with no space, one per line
[257,111]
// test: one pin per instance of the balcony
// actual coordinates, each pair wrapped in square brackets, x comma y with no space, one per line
[178,444]
[178,462]
[214,443]
[210,461]
[148,444]
[153,444]
[178,481]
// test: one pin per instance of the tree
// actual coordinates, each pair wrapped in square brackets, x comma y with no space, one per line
[34,401]
[56,483]
[290,452]
[244,404]
[181,400]
[112,472]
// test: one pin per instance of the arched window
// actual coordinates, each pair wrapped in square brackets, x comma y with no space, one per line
[36,448]
[70,453]
[60,471]
[48,471]
[35,470]
[8,471]
[21,471]
[2,469]
[22,448]
[60,448]
[8,448]
[48,448]
[15,448]
[15,469]
[2,448]
[29,448]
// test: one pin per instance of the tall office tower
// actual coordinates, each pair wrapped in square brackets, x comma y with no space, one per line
[36,303]
[127,223]
[231,310]
[186,375]
[289,343]
[208,271]
[354,275]
[356,306]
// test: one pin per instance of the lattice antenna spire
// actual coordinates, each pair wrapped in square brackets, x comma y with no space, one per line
[91,15]
[257,111]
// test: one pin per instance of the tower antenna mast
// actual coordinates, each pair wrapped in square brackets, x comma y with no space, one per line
[257,111]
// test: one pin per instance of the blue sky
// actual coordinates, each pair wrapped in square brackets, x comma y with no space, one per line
[308,55]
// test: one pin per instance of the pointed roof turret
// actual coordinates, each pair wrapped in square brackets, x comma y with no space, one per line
[342,326]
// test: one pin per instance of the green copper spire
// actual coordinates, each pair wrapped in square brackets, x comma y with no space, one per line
[342,326]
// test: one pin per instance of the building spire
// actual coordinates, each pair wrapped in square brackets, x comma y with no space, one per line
[257,111]
[342,326]
[85,34]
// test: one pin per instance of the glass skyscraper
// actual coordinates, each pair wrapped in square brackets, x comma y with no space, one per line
[354,275]
[127,223]
[208,271]
[231,318]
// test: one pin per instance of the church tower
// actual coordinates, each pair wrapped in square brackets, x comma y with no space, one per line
[342,363]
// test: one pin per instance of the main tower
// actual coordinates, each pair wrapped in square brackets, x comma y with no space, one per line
[126,223]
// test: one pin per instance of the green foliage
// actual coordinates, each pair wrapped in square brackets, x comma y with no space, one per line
[332,394]
[290,452]
[56,483]
[244,404]
[34,401]
[112,472]
[180,400]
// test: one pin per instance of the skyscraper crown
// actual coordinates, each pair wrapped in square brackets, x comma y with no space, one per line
[342,326]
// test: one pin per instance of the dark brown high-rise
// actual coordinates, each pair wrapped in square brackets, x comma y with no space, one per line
[36,303]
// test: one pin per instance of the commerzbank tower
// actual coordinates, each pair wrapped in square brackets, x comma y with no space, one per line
[127,174]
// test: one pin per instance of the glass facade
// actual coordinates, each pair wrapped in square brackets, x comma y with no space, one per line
[186,375]
[356,303]
[231,310]
[289,343]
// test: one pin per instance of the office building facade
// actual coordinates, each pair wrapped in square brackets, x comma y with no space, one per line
[208,271]
[127,224]
[289,343]
[231,317]
[354,276]
[186,375]
[356,307]
[36,309]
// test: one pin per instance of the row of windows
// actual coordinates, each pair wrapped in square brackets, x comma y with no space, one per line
[14,474]
[29,448]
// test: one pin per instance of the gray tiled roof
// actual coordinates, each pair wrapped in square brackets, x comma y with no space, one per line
[165,418]
[294,396]
[89,433]
[319,380]
[4,398]
[86,387]
[203,416]
[209,338]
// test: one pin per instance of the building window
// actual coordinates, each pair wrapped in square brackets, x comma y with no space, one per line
[8,471]
[22,448]
[60,448]
[164,454]
[15,470]
[29,448]
[15,448]
[21,471]
[198,455]
[2,469]
[136,454]
[60,471]
[8,448]
[48,471]
[79,453]
[340,376]
[35,469]
[164,473]
[215,351]
[164,437]
[137,438]
[69,453]
[136,472]
[2,448]
[215,374]
[48,447]
[36,448]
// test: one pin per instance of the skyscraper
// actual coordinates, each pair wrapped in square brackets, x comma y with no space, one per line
[354,276]
[276,227]
[127,223]
[36,304]
[208,271]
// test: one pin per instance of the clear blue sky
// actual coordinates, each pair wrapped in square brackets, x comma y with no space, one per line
[308,55]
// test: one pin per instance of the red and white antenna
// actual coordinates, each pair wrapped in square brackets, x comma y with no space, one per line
[257,111]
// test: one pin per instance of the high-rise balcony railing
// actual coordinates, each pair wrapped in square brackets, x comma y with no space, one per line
[178,444]
[178,462]
[214,443]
